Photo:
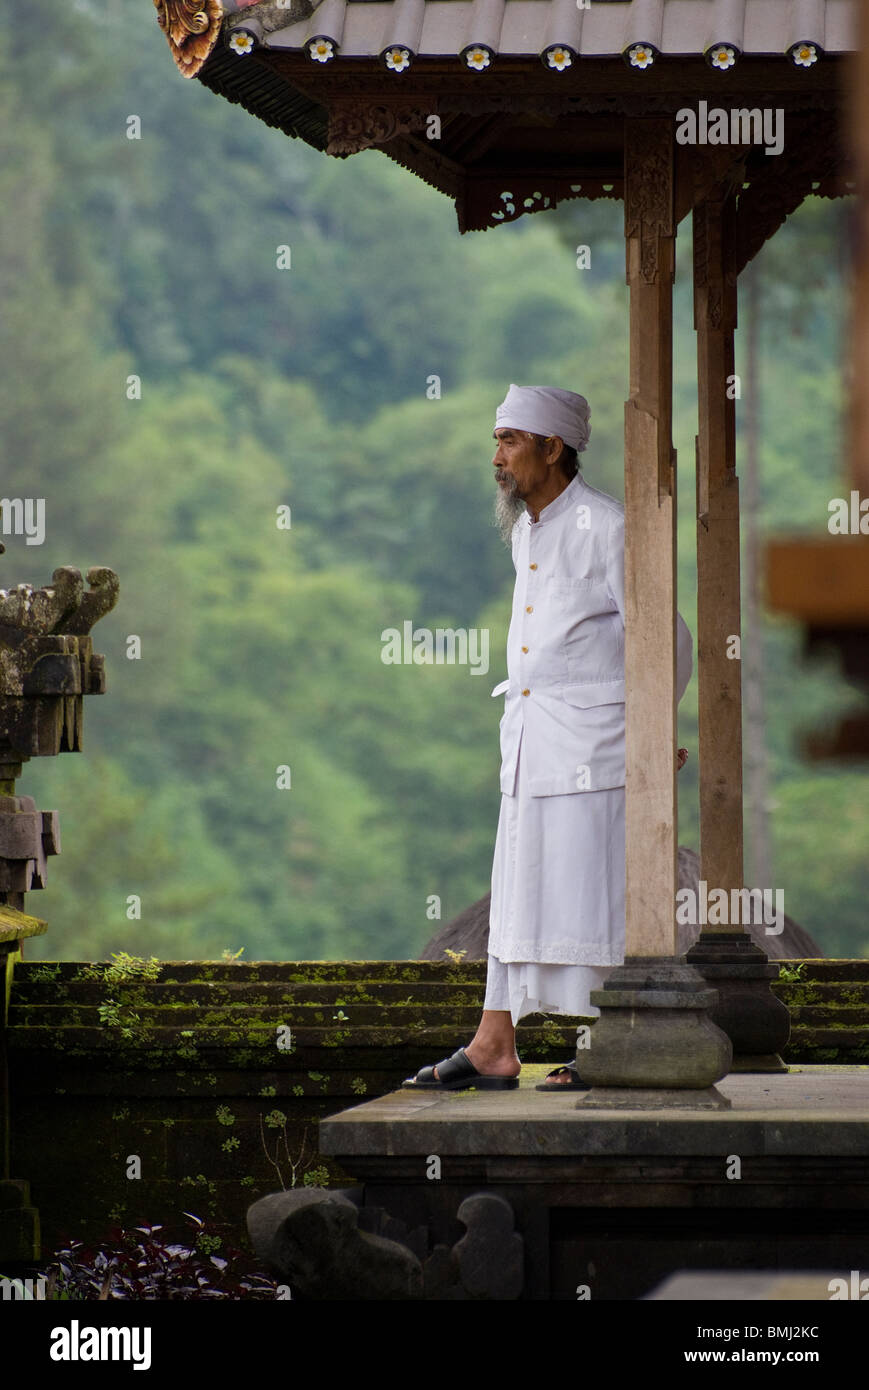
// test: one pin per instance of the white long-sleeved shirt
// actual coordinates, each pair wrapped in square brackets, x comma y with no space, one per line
[565,692]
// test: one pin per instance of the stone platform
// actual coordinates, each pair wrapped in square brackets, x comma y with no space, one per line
[609,1203]
[184,1070]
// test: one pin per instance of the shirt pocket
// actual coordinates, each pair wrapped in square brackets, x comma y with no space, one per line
[575,605]
[571,600]
[592,693]
[564,589]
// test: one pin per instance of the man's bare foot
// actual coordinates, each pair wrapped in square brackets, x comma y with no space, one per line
[493,1061]
[492,1049]
[563,1078]
[490,1062]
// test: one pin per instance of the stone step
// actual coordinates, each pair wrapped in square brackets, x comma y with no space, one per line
[855,1040]
[816,1015]
[287,972]
[439,993]
[262,1023]
[822,970]
[380,997]
[46,1077]
[335,972]
[253,1036]
[392,1008]
[296,1016]
[821,991]
[460,1018]
[809,992]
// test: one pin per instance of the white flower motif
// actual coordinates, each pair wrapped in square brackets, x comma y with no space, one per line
[241,44]
[478,58]
[804,55]
[558,58]
[722,57]
[641,56]
[321,50]
[398,59]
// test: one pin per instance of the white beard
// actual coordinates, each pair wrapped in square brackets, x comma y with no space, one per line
[508,509]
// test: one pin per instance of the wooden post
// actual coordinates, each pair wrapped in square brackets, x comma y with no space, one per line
[756,832]
[650,549]
[756,1022]
[859,415]
[646,1051]
[718,579]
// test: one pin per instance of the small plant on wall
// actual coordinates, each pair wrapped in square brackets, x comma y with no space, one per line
[313,1177]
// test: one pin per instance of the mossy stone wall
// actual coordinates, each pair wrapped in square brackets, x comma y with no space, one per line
[200,1089]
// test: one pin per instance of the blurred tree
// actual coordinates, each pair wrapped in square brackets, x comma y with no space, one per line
[261,647]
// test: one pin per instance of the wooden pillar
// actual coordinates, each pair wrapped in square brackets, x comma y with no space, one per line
[859,413]
[645,1051]
[756,1022]
[650,551]
[718,579]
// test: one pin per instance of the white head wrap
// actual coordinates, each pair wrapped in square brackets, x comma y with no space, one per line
[546,410]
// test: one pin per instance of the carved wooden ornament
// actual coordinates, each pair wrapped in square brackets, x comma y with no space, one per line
[357,126]
[192,28]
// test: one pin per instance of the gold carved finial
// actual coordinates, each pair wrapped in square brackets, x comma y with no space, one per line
[192,28]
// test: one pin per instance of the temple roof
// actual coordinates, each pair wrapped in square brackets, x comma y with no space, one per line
[606,29]
[478,32]
[512,106]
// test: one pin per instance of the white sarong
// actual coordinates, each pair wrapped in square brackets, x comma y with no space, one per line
[557,920]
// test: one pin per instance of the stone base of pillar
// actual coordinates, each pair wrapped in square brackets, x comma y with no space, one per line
[644,1098]
[757,1023]
[759,1062]
[655,1037]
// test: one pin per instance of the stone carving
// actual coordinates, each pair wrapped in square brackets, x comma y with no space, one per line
[270,14]
[490,1254]
[47,661]
[27,837]
[327,1248]
[310,1236]
[47,664]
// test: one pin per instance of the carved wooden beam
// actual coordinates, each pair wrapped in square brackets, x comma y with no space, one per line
[702,168]
[811,159]
[355,126]
[490,200]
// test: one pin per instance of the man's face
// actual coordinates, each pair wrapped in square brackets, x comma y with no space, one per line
[520,464]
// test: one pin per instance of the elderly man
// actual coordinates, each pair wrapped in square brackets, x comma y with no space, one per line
[557,924]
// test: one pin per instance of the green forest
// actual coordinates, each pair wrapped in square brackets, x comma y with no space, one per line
[306,388]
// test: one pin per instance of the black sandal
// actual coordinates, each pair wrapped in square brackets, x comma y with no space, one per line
[457,1073]
[575,1083]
